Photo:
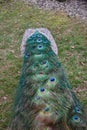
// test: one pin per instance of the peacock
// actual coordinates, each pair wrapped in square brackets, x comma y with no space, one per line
[45,99]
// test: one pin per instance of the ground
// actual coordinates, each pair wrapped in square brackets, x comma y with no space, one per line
[74,8]
[70,35]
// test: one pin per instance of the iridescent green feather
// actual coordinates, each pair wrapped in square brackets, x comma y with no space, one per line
[44,95]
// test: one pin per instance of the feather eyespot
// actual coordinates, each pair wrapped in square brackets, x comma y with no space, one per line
[39,36]
[52,79]
[39,40]
[27,55]
[38,97]
[76,118]
[44,62]
[42,89]
[78,110]
[47,109]
[40,47]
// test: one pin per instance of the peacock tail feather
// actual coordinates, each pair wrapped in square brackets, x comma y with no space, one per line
[45,100]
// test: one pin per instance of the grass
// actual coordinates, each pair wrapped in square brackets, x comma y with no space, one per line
[70,35]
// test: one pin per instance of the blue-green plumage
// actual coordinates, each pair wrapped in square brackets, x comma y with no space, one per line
[45,100]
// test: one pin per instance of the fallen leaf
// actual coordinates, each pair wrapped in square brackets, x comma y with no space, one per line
[72,47]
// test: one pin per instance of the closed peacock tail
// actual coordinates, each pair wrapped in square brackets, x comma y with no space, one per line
[45,100]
